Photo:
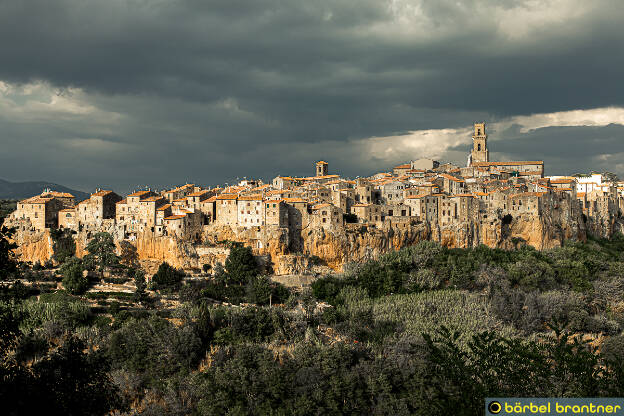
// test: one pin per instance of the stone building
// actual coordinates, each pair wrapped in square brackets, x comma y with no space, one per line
[391,191]
[424,164]
[100,206]
[250,211]
[180,192]
[40,212]
[276,213]
[226,209]
[137,213]
[67,219]
[370,213]
[326,216]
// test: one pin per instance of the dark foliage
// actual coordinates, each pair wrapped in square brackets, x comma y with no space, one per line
[167,277]
[63,245]
[240,265]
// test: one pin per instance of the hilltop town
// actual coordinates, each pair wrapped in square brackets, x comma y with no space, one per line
[336,219]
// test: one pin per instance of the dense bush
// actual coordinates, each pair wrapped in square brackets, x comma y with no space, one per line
[240,264]
[167,277]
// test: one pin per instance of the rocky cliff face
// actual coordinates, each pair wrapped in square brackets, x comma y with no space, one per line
[35,247]
[282,252]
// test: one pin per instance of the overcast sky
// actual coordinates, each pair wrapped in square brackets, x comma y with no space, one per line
[122,94]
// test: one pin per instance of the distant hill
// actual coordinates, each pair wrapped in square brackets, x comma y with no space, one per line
[21,190]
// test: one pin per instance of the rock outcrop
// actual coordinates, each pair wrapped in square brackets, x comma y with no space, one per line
[320,249]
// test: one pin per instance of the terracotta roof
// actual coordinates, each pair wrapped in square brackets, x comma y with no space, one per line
[35,200]
[175,217]
[319,206]
[322,162]
[515,163]
[102,193]
[211,199]
[562,180]
[416,196]
[451,177]
[403,166]
[57,194]
[463,195]
[227,196]
[360,205]
[199,193]
[164,207]
[152,199]
[139,193]
[294,200]
[123,201]
[67,210]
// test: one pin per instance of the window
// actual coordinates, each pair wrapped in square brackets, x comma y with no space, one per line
[479,147]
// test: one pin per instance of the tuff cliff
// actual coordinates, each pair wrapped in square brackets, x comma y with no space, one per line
[283,252]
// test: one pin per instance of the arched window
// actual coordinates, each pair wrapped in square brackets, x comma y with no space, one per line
[479,147]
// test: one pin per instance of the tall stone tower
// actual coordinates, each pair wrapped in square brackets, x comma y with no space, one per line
[480,152]
[321,168]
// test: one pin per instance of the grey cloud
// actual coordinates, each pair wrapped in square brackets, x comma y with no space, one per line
[208,90]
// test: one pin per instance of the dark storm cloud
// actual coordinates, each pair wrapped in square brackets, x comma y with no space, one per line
[210,90]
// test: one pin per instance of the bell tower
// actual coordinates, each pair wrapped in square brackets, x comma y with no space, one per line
[480,152]
[321,168]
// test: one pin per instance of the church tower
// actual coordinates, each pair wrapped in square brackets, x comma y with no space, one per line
[321,168]
[480,152]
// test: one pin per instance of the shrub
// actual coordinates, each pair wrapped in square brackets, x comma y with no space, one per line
[167,277]
[240,264]
[73,279]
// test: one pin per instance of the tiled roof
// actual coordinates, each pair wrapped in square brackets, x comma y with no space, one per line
[227,196]
[319,206]
[514,163]
[102,193]
[139,193]
[57,194]
[199,193]
[451,178]
[175,217]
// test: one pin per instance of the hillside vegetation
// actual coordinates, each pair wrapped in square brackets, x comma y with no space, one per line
[425,330]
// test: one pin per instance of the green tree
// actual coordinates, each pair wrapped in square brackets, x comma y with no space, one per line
[139,281]
[73,279]
[63,245]
[240,264]
[8,264]
[101,250]
[167,277]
